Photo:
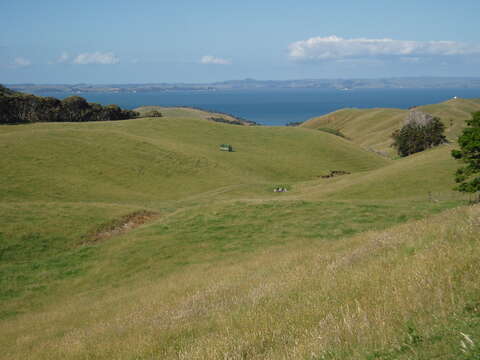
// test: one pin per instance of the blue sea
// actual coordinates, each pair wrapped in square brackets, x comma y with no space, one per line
[281,106]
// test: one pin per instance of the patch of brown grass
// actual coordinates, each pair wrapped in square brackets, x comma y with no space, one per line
[121,225]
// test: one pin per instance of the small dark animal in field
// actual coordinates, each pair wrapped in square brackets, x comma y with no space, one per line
[334,173]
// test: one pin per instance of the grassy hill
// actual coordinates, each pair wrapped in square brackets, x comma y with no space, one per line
[140,239]
[192,113]
[148,160]
[426,175]
[371,128]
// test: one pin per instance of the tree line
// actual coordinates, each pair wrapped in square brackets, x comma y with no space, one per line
[18,108]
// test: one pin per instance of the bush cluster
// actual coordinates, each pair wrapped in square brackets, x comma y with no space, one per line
[152,113]
[226,121]
[18,108]
[413,137]
[468,176]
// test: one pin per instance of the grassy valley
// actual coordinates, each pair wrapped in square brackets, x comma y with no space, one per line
[150,160]
[142,240]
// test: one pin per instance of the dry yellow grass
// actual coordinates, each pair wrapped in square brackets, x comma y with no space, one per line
[229,269]
[372,128]
[399,293]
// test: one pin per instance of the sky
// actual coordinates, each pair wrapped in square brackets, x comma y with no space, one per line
[193,41]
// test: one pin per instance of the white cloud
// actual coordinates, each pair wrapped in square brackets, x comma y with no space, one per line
[21,62]
[63,58]
[208,59]
[334,47]
[106,58]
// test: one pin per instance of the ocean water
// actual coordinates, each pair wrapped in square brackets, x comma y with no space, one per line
[280,106]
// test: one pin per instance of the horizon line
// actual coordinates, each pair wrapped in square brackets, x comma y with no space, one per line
[252,79]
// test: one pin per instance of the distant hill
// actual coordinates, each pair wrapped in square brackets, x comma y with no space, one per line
[341,84]
[371,128]
[194,113]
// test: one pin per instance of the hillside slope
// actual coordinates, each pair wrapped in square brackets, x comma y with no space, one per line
[409,292]
[372,128]
[192,113]
[426,176]
[147,160]
[141,239]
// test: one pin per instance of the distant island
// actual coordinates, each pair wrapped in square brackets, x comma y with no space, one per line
[247,84]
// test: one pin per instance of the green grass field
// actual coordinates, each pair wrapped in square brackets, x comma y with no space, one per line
[140,239]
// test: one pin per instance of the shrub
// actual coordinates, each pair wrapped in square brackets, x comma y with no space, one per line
[415,137]
[469,153]
[153,113]
[294,123]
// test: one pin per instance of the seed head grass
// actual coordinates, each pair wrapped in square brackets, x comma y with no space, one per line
[141,240]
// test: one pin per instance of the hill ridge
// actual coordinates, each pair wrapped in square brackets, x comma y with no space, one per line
[371,128]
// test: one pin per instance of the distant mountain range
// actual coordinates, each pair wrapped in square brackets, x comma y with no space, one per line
[339,84]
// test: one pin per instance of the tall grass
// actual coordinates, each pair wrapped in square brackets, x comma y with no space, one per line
[225,268]
[410,292]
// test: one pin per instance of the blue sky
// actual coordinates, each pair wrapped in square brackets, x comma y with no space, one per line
[126,41]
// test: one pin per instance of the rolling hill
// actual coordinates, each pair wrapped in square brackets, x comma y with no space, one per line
[192,113]
[148,160]
[371,128]
[141,239]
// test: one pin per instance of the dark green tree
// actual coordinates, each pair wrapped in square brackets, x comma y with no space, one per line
[16,108]
[468,176]
[153,113]
[75,108]
[413,137]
